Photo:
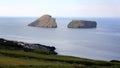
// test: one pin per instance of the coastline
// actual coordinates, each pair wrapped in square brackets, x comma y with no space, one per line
[17,50]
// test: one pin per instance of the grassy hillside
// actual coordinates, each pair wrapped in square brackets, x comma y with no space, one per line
[13,55]
[20,59]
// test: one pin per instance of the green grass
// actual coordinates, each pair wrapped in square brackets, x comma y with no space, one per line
[21,59]
[13,62]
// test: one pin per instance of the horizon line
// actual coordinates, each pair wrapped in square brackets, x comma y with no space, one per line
[60,17]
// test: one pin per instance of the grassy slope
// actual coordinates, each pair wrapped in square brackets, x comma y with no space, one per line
[18,59]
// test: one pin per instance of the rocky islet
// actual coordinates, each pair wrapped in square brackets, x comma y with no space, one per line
[45,21]
[82,24]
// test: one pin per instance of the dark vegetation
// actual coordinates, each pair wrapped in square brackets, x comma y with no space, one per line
[18,45]
[14,56]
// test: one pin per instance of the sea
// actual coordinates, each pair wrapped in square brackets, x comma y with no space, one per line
[101,43]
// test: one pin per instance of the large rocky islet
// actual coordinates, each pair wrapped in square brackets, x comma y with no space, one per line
[45,21]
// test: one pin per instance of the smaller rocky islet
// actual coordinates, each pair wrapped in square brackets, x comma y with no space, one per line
[47,21]
[82,24]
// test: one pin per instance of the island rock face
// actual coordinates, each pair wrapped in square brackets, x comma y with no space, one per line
[45,21]
[82,24]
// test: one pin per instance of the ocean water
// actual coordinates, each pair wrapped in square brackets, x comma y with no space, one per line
[101,43]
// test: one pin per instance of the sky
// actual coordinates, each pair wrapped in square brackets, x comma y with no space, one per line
[60,8]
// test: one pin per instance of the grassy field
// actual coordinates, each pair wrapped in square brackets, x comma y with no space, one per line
[21,59]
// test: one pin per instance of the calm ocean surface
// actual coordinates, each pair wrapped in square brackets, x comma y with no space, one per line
[101,43]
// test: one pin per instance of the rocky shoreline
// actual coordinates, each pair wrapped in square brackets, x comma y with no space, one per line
[18,45]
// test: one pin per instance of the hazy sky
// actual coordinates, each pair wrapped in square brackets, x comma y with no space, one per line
[61,8]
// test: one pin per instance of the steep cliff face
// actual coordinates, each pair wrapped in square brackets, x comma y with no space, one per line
[82,24]
[45,21]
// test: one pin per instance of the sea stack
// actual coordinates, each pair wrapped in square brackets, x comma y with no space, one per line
[45,21]
[82,24]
